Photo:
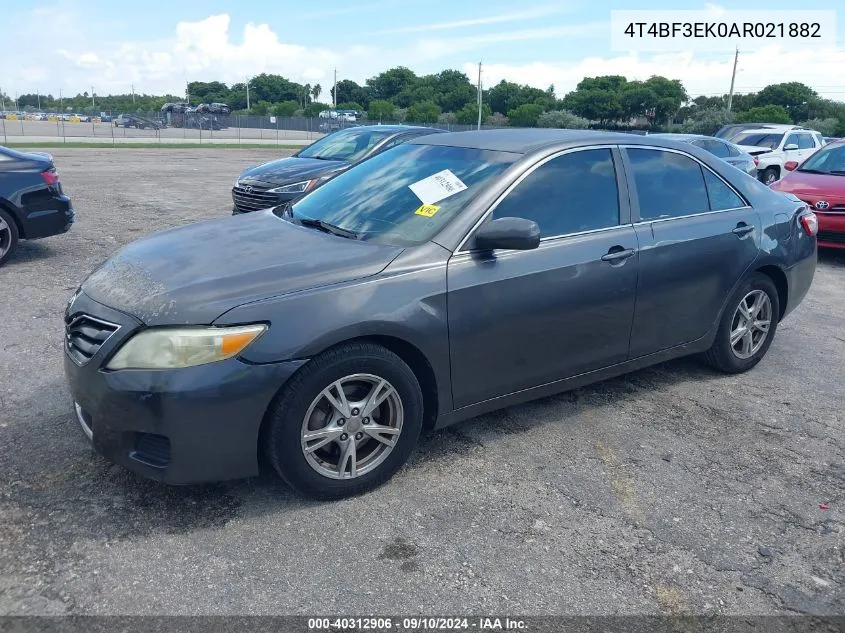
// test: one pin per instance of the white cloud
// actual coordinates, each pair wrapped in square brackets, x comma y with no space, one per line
[527,14]
[700,75]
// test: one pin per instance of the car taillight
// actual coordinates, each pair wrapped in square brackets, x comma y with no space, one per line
[50,176]
[810,223]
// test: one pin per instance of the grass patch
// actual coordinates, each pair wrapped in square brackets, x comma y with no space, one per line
[59,145]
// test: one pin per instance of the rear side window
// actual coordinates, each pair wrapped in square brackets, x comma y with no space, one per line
[669,185]
[716,148]
[721,196]
[572,193]
[792,139]
[805,141]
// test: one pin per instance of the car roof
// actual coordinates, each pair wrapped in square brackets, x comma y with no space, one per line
[685,137]
[767,130]
[393,128]
[526,140]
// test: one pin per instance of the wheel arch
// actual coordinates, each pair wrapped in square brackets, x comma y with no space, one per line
[8,208]
[778,277]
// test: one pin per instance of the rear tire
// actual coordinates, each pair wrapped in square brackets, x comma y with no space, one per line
[741,342]
[8,236]
[329,447]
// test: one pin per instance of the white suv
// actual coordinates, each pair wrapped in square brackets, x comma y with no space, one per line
[773,146]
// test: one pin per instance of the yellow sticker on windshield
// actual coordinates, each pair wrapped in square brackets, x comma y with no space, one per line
[427,210]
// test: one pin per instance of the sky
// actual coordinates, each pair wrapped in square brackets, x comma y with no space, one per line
[158,45]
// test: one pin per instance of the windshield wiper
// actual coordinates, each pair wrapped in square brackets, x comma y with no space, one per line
[328,228]
[813,171]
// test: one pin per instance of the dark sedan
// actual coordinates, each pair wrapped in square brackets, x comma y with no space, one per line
[32,203]
[284,180]
[725,150]
[447,277]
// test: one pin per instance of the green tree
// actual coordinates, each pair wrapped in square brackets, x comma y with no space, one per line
[706,120]
[314,108]
[350,105]
[563,119]
[670,96]
[525,115]
[794,97]
[285,108]
[506,96]
[612,83]
[765,114]
[261,108]
[468,115]
[827,126]
[637,100]
[391,83]
[423,112]
[454,90]
[348,90]
[316,90]
[596,104]
[381,110]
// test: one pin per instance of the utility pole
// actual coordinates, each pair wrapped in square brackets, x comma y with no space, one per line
[132,88]
[93,105]
[247,93]
[334,92]
[733,79]
[479,95]
[61,101]
[38,96]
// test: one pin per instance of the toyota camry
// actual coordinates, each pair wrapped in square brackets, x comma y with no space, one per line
[446,277]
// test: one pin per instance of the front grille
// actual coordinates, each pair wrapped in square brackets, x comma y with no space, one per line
[153,450]
[257,198]
[85,335]
[830,236]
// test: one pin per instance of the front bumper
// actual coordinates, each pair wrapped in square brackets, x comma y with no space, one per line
[831,229]
[182,426]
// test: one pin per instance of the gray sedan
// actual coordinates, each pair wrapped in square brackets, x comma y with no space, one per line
[727,151]
[444,278]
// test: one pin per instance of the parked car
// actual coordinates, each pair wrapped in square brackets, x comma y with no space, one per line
[83,118]
[141,123]
[220,108]
[774,147]
[105,118]
[449,276]
[725,150]
[820,182]
[831,139]
[731,131]
[32,203]
[286,179]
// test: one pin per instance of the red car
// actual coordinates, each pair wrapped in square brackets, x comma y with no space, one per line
[820,182]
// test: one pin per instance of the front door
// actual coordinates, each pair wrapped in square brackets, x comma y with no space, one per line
[520,319]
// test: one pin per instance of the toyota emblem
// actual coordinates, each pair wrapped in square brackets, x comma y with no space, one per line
[822,204]
[247,188]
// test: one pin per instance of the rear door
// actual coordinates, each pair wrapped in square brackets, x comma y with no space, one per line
[520,319]
[697,238]
[807,145]
[794,141]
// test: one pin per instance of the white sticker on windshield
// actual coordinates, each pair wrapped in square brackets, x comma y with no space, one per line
[437,187]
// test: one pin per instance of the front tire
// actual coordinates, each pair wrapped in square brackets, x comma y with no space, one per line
[8,236]
[770,175]
[747,327]
[346,422]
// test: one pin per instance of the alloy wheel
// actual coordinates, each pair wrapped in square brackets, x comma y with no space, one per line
[352,426]
[750,324]
[5,237]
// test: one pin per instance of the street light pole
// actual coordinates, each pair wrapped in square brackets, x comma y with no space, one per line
[93,105]
[247,93]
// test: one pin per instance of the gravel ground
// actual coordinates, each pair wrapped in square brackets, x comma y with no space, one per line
[671,490]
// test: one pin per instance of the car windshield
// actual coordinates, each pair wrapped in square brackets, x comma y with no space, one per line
[405,195]
[347,145]
[829,160]
[760,139]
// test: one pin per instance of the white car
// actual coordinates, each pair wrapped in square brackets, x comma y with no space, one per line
[775,145]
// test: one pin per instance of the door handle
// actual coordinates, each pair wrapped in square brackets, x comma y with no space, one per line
[617,254]
[742,229]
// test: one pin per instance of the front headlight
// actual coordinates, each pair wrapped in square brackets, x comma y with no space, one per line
[297,187]
[173,347]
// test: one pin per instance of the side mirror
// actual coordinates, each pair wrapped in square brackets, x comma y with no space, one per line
[790,165]
[517,234]
[790,147]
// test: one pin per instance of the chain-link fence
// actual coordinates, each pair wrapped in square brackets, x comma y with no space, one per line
[166,127]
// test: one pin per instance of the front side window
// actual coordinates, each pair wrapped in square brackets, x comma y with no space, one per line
[572,193]
[347,145]
[669,185]
[828,160]
[406,195]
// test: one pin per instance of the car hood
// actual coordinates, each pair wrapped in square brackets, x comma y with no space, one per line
[754,150]
[195,273]
[291,169]
[829,187]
